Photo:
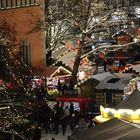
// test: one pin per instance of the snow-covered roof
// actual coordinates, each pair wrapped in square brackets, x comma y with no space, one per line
[131,102]
[113,83]
[136,68]
[101,76]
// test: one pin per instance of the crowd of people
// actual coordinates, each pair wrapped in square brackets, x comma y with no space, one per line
[59,119]
[64,116]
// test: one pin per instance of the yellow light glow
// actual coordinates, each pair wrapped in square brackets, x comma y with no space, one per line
[126,114]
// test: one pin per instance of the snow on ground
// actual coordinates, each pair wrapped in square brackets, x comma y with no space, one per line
[58,136]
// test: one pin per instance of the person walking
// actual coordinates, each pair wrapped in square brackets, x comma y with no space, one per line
[37,133]
[67,113]
[63,121]
[71,109]
[73,123]
[105,64]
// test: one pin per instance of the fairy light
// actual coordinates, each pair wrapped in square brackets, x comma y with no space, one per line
[97,50]
[18,62]
[103,49]
[60,57]
[57,49]
[70,48]
[15,77]
[109,47]
[122,30]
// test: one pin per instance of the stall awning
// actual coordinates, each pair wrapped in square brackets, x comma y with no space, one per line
[72,99]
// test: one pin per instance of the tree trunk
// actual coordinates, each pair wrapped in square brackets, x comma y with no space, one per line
[73,79]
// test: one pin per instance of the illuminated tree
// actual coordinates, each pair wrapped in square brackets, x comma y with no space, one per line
[79,19]
[13,69]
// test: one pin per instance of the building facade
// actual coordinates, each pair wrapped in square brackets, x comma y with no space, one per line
[24,15]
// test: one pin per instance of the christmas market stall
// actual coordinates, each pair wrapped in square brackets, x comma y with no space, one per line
[128,109]
[87,86]
[135,69]
[56,79]
[122,37]
[111,90]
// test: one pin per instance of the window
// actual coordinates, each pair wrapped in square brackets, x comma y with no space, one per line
[26,52]
[113,80]
[136,2]
[3,4]
[27,2]
[22,2]
[108,98]
[12,3]
[18,3]
[131,2]
[32,1]
[0,4]
[7,3]
[15,4]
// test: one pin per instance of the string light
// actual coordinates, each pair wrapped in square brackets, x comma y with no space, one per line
[109,47]
[57,49]
[60,57]
[15,76]
[21,81]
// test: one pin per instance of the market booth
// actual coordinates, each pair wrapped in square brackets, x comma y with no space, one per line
[78,102]
[128,109]
[123,37]
[114,129]
[55,77]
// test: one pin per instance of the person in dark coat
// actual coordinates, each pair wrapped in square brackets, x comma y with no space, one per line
[37,133]
[104,64]
[56,122]
[56,107]
[73,123]
[63,121]
[71,109]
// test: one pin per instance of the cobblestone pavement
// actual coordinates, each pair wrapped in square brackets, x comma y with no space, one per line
[58,136]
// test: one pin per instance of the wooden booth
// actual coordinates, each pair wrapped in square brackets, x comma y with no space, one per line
[123,38]
[111,90]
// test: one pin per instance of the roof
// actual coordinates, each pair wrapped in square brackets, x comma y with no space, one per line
[67,55]
[131,102]
[136,68]
[113,129]
[122,32]
[123,75]
[131,136]
[55,71]
[113,83]
[48,71]
[101,76]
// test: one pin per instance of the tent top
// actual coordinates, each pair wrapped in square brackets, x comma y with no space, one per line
[114,83]
[101,76]
[112,129]
[131,136]
[131,102]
